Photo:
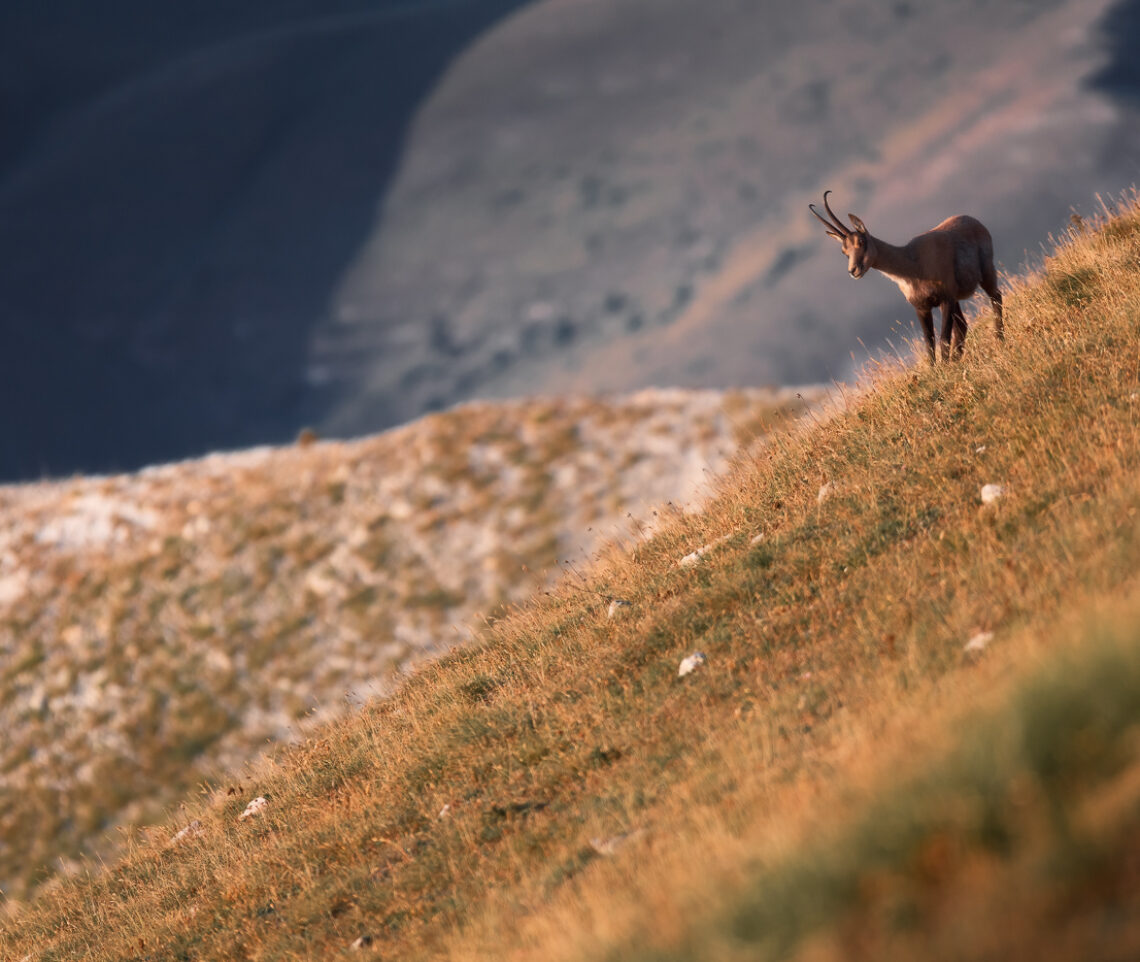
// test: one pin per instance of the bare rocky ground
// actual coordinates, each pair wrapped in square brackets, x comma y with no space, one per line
[160,628]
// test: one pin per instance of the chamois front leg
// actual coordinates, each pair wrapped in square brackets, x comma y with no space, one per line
[958,335]
[949,310]
[995,303]
[926,319]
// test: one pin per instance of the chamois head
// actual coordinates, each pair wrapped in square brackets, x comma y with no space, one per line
[857,244]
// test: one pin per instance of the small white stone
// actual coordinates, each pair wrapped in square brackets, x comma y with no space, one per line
[618,606]
[756,539]
[445,812]
[980,449]
[608,846]
[363,942]
[691,559]
[825,492]
[254,808]
[992,492]
[193,830]
[690,664]
[979,642]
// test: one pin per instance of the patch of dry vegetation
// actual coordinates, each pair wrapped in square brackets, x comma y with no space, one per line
[157,628]
[818,787]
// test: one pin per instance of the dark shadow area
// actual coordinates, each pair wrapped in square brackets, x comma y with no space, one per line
[1120,77]
[180,190]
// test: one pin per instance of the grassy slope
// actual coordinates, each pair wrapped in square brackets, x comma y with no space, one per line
[159,627]
[839,781]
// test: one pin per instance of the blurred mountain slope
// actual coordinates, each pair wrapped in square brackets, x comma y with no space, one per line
[636,212]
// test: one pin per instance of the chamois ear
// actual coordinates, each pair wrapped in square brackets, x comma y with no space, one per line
[832,233]
[859,225]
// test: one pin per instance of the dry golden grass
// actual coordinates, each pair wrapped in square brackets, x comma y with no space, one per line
[841,780]
[157,628]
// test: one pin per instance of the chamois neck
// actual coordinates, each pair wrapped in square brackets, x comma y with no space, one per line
[894,260]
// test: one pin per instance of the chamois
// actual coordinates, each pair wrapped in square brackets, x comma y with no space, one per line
[938,268]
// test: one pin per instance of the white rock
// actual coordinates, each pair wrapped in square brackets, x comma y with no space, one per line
[363,942]
[690,664]
[445,812]
[980,449]
[95,519]
[254,808]
[193,830]
[618,606]
[756,539]
[825,492]
[979,642]
[691,559]
[992,492]
[608,846]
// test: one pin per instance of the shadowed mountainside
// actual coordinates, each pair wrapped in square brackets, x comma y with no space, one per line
[179,192]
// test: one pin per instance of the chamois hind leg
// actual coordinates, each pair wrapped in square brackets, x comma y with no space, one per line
[990,286]
[926,319]
[949,310]
[958,335]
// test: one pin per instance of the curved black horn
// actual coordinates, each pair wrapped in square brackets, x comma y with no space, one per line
[834,224]
[825,223]
[831,213]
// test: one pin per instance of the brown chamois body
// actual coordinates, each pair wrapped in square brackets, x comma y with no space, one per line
[938,268]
